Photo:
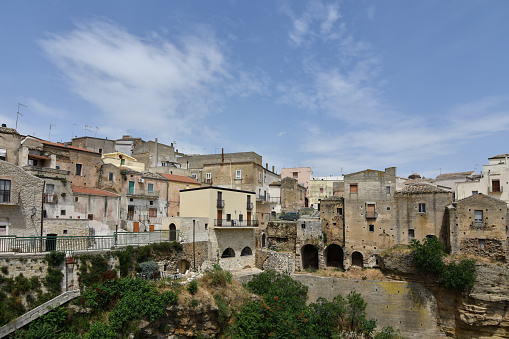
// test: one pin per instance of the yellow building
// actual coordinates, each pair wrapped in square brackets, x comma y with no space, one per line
[322,188]
[123,160]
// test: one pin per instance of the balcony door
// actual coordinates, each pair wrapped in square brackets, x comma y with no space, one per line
[131,187]
[248,218]
[219,218]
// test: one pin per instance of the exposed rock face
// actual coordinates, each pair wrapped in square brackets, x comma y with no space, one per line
[482,312]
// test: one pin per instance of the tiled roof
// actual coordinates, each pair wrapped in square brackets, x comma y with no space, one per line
[446,176]
[151,175]
[418,180]
[49,143]
[500,156]
[420,188]
[8,130]
[179,178]
[93,191]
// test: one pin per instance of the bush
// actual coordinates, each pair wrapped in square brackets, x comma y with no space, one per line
[93,273]
[100,330]
[428,255]
[5,270]
[53,280]
[224,312]
[218,276]
[55,258]
[459,276]
[192,287]
[388,333]
[149,269]
[356,309]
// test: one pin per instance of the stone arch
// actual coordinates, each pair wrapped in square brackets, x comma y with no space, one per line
[173,232]
[357,259]
[334,255]
[374,261]
[264,239]
[183,266]
[430,236]
[246,251]
[309,255]
[228,253]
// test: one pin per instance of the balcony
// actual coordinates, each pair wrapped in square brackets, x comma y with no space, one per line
[235,223]
[50,198]
[220,204]
[142,193]
[249,206]
[495,190]
[371,215]
[479,225]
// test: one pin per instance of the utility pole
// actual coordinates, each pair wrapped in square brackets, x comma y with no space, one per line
[18,114]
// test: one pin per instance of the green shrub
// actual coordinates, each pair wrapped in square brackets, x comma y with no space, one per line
[193,287]
[459,276]
[21,283]
[53,280]
[388,333]
[100,330]
[218,276]
[55,258]
[143,253]
[5,270]
[93,273]
[125,260]
[224,311]
[34,283]
[428,255]
[356,309]
[149,269]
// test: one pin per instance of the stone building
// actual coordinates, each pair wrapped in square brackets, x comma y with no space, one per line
[332,218]
[127,144]
[10,141]
[321,188]
[20,201]
[477,225]
[101,208]
[176,183]
[155,154]
[421,211]
[303,176]
[98,145]
[124,161]
[293,195]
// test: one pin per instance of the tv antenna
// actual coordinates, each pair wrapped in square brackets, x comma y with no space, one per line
[87,129]
[96,129]
[18,114]
[49,136]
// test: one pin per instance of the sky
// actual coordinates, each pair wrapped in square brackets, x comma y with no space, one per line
[338,86]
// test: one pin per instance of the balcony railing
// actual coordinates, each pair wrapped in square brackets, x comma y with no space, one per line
[495,190]
[371,215]
[50,198]
[235,223]
[142,193]
[479,224]
[82,243]
[220,204]
[249,206]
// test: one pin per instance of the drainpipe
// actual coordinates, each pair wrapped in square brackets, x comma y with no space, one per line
[42,210]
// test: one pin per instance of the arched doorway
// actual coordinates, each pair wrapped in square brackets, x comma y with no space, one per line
[173,232]
[309,255]
[334,255]
[183,266]
[246,251]
[228,253]
[357,259]
[263,240]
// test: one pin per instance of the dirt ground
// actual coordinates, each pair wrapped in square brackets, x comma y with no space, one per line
[352,273]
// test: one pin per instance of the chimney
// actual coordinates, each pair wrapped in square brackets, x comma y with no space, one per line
[222,154]
[4,125]
[273,169]
[266,165]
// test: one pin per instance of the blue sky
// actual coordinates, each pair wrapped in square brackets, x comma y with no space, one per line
[336,86]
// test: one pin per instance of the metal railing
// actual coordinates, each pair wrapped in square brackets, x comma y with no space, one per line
[142,193]
[236,223]
[249,206]
[371,215]
[220,204]
[495,189]
[83,243]
[50,198]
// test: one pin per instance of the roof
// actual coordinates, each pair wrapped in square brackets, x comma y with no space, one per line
[8,130]
[421,188]
[447,176]
[116,154]
[179,178]
[417,181]
[57,144]
[93,191]
[503,156]
[215,188]
[477,197]
[151,175]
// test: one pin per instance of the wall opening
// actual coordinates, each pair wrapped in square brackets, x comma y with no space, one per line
[183,266]
[228,253]
[334,255]
[357,259]
[263,240]
[309,255]
[173,232]
[246,251]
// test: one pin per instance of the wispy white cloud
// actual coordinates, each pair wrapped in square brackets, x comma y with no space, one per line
[44,110]
[148,82]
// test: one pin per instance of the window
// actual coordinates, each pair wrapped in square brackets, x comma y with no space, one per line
[101,150]
[228,217]
[353,188]
[228,253]
[57,167]
[422,208]
[194,176]
[62,212]
[3,154]
[90,217]
[206,226]
[75,199]
[295,175]
[259,176]
[411,233]
[303,225]
[5,190]
[122,162]
[208,178]
[65,231]
[110,176]
[478,216]
[481,243]
[475,192]
[371,228]
[246,251]
[238,174]
[151,202]
[78,169]
[321,190]
[150,188]
[339,211]
[388,189]
[241,218]
[152,212]
[495,186]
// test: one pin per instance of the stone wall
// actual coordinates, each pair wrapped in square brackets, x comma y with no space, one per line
[67,227]
[197,161]
[275,261]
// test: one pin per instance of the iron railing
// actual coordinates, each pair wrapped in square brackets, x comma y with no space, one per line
[141,193]
[235,223]
[220,204]
[83,243]
[50,198]
[249,206]
[371,215]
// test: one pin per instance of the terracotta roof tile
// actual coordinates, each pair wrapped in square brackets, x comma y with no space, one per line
[93,191]
[57,144]
[446,176]
[421,188]
[179,178]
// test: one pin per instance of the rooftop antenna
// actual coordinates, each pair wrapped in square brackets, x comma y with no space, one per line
[73,136]
[96,129]
[49,136]
[18,114]
[440,169]
[87,129]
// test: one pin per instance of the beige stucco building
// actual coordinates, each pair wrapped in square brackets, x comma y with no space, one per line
[123,160]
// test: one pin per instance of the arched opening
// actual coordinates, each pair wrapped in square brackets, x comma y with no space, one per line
[228,253]
[263,240]
[246,251]
[309,257]
[430,236]
[183,266]
[357,259]
[334,255]
[173,232]
[374,261]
